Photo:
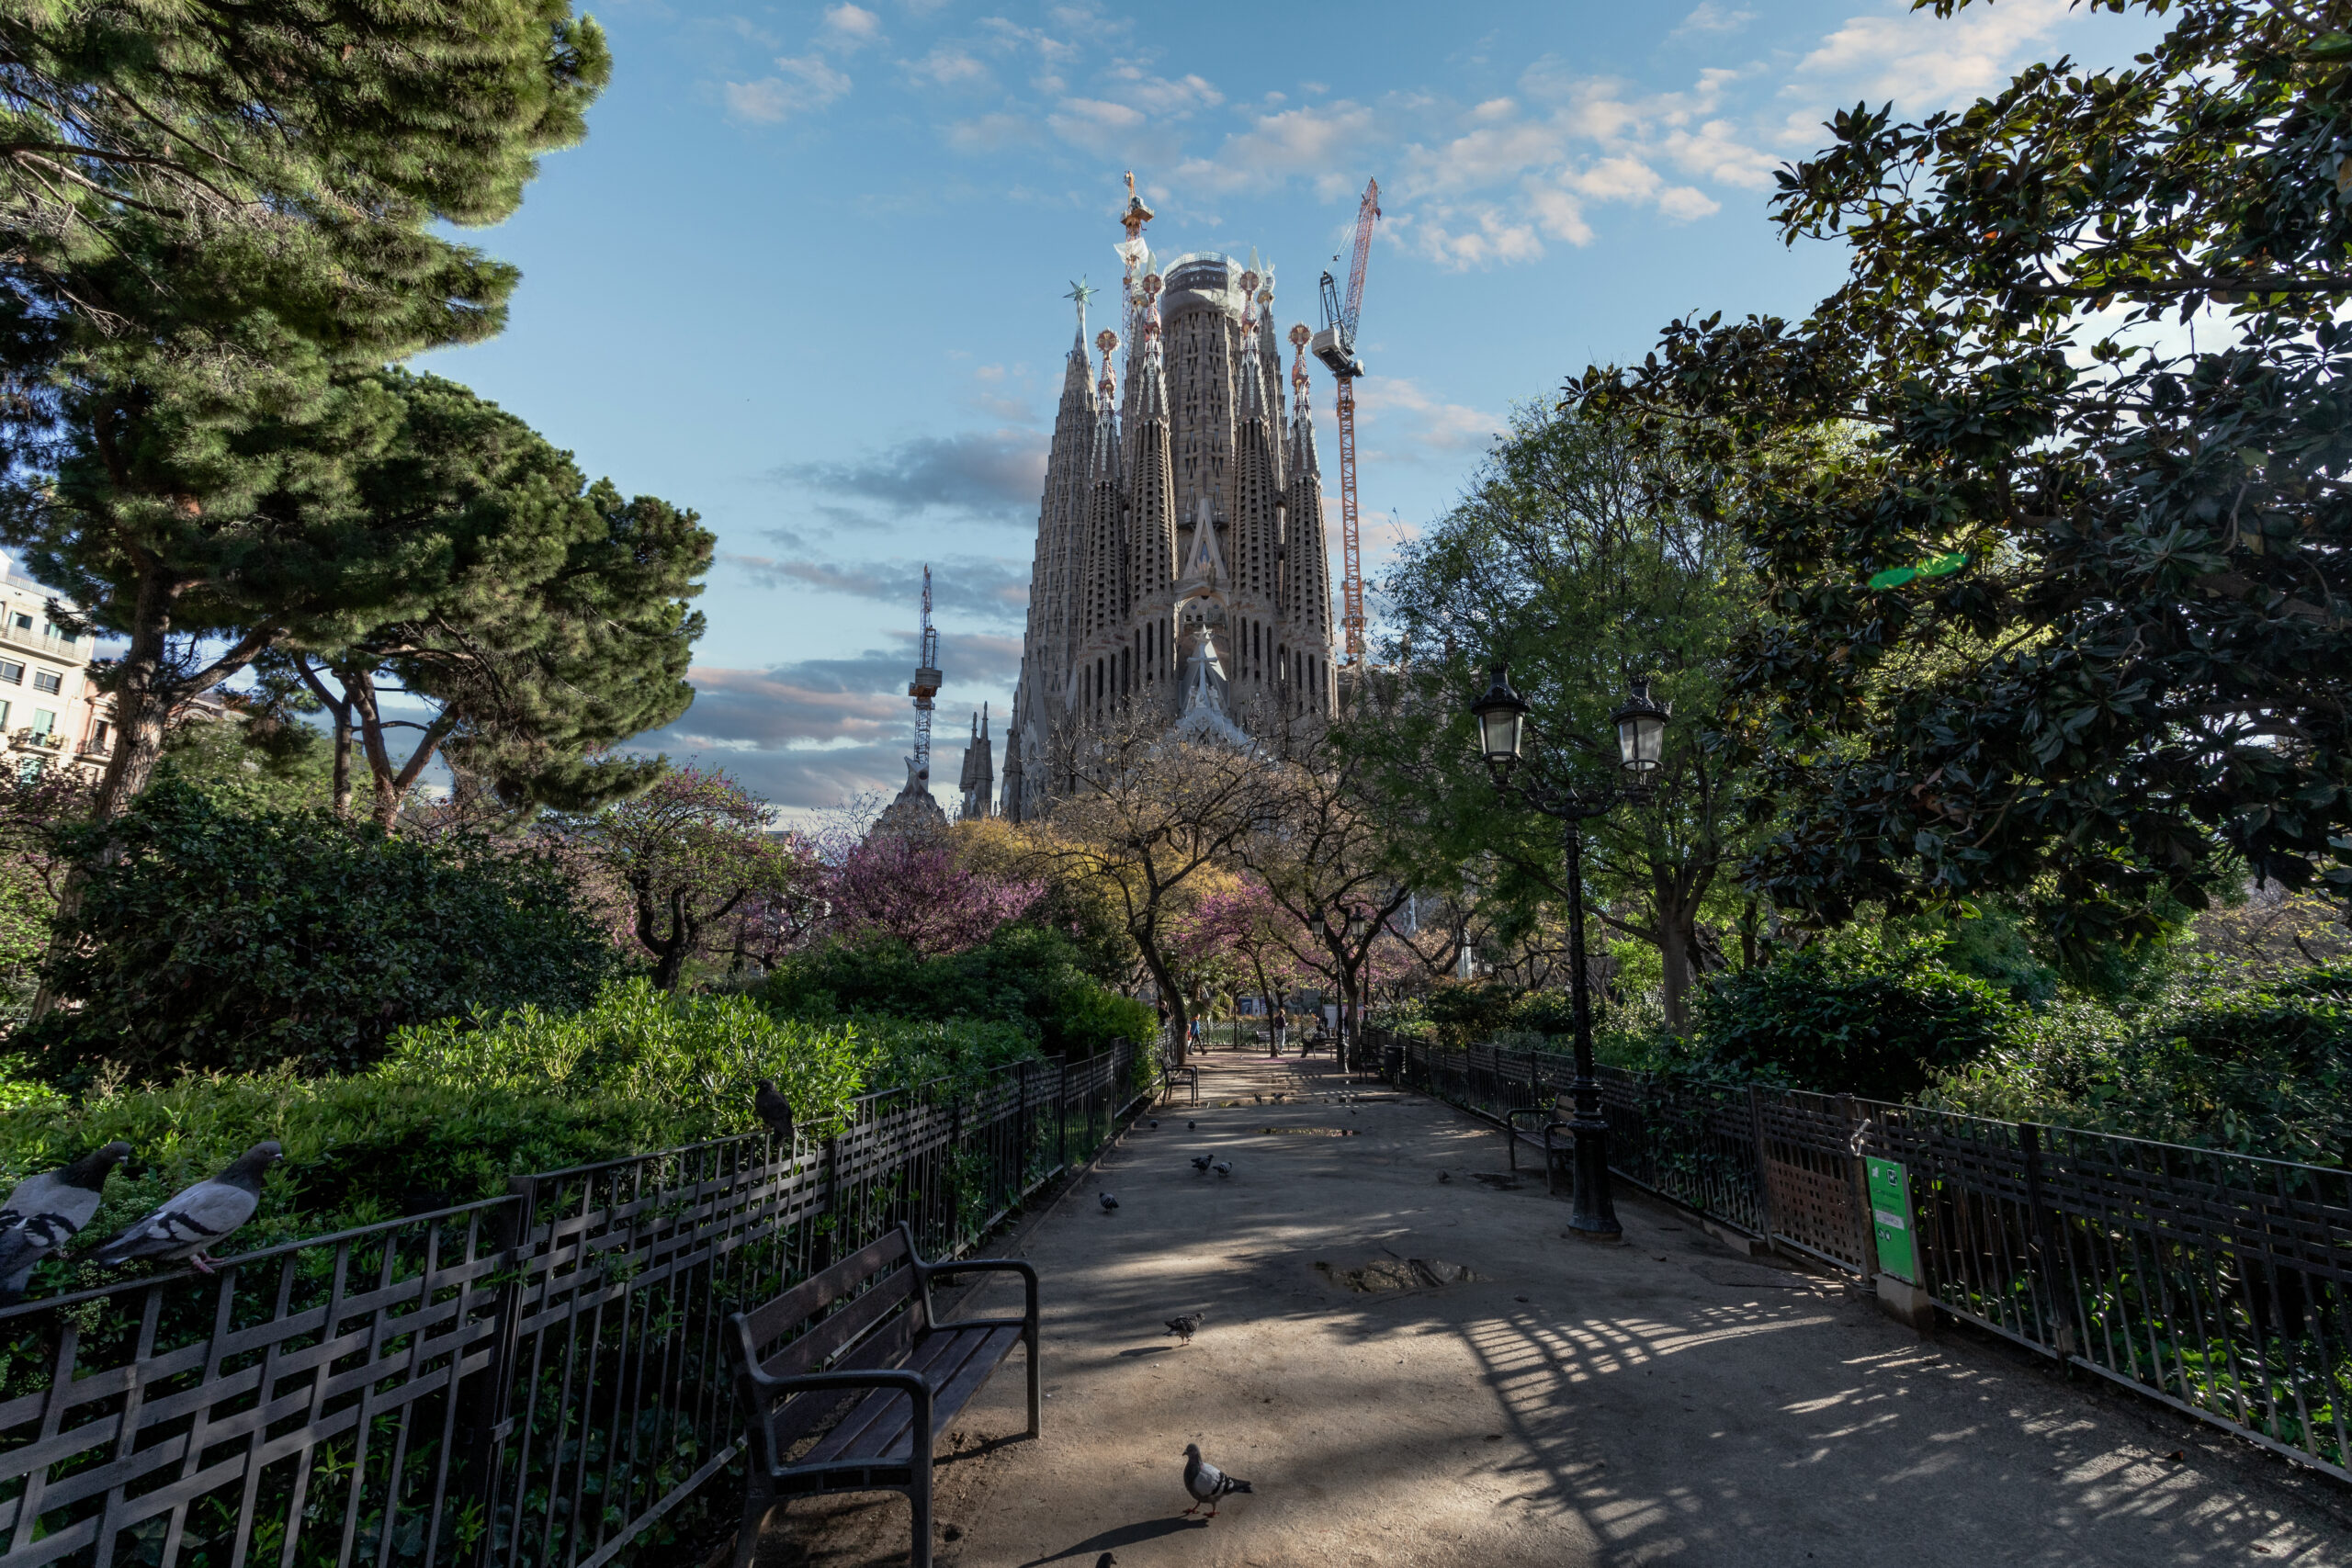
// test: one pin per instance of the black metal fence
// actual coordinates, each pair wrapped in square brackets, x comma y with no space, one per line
[530,1381]
[2218,1283]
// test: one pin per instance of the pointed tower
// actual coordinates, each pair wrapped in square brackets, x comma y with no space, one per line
[1181,564]
[980,771]
[1306,555]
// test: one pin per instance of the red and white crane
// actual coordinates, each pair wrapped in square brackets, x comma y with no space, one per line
[1335,346]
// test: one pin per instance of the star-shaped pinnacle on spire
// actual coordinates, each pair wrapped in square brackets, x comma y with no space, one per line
[1080,293]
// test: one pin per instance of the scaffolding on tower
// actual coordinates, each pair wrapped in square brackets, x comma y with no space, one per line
[1335,346]
[925,686]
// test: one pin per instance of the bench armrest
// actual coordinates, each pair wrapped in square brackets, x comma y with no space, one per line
[927,1272]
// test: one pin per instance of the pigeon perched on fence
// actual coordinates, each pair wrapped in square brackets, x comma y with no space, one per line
[1110,1204]
[1206,1482]
[1185,1325]
[196,1217]
[1201,1163]
[49,1210]
[773,1108]
[1224,1167]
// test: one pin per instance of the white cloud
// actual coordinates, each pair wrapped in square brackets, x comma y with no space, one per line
[805,84]
[1711,16]
[1931,64]
[1400,410]
[1323,143]
[1161,96]
[949,65]
[993,133]
[849,28]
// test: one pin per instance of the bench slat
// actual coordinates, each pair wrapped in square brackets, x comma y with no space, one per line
[846,1327]
[957,1363]
[819,1291]
[803,1412]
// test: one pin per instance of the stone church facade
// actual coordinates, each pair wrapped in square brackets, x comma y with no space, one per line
[1181,571]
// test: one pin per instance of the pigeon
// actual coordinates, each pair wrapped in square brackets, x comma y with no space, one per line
[1186,1325]
[1191,1126]
[1110,1204]
[1106,1561]
[49,1210]
[1443,1177]
[1201,1163]
[196,1217]
[1155,1124]
[1206,1482]
[1224,1168]
[773,1108]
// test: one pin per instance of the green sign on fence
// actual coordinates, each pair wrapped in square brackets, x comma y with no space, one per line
[1891,1219]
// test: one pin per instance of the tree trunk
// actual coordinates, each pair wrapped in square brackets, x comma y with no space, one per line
[341,710]
[1674,945]
[1180,1017]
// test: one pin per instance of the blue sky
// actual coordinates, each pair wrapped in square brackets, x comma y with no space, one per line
[806,275]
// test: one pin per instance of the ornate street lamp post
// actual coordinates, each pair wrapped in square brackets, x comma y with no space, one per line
[1501,713]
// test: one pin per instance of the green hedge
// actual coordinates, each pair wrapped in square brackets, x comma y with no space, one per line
[217,941]
[1024,976]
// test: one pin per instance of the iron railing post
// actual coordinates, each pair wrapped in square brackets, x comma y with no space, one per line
[1763,1171]
[495,1401]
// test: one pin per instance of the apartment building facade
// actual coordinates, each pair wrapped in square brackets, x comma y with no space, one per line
[48,710]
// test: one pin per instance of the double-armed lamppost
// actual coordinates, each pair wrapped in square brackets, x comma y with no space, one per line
[1501,713]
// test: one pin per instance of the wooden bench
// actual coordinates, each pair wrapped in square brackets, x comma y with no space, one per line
[877,1374]
[1172,1072]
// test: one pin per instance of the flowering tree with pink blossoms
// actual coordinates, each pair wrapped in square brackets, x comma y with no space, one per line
[911,886]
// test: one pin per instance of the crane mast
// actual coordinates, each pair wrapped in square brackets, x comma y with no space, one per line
[1335,346]
[925,685]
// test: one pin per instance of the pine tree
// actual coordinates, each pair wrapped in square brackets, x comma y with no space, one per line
[205,217]
[541,618]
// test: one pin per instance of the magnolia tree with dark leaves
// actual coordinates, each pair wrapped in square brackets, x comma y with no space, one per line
[2074,622]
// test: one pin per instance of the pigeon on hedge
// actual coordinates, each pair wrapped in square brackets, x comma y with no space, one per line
[196,1217]
[47,1211]
[1206,1482]
[1110,1204]
[1224,1167]
[1201,1163]
[773,1108]
[1185,1325]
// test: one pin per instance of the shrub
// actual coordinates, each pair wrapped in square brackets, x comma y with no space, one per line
[215,940]
[698,1056]
[1023,975]
[2262,1068]
[1854,1014]
[360,1149]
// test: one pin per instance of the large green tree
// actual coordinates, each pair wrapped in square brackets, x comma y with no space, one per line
[1573,557]
[208,212]
[2074,622]
[543,619]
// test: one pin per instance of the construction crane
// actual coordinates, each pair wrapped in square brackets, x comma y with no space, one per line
[925,686]
[1335,346]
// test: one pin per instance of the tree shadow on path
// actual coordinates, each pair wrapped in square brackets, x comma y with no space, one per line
[1122,1535]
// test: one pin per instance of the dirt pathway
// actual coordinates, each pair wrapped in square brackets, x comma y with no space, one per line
[1565,1405]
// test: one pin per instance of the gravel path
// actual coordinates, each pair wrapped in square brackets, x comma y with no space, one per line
[1564,1404]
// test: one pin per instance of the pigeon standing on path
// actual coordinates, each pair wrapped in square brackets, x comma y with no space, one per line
[1201,1164]
[1224,1168]
[1186,1325]
[196,1217]
[1206,1482]
[49,1210]
[1110,1204]
[775,1110]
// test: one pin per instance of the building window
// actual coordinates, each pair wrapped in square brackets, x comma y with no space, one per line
[12,672]
[4,717]
[24,623]
[48,681]
[43,721]
[97,730]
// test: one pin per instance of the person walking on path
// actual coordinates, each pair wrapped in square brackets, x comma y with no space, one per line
[1279,1028]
